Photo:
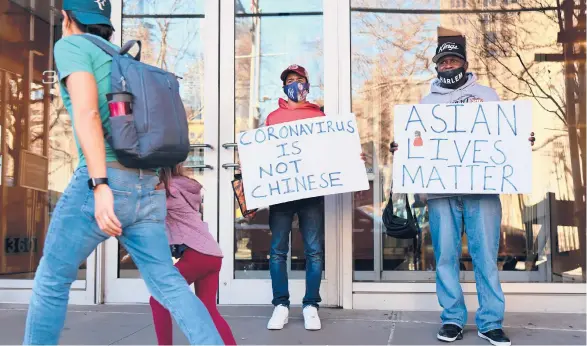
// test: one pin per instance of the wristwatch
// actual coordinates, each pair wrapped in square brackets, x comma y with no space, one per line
[93,182]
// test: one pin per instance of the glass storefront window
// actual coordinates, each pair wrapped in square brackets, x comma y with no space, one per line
[37,150]
[520,55]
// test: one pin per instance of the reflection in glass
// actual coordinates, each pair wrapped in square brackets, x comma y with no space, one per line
[272,6]
[174,44]
[162,7]
[543,234]
[37,153]
[264,47]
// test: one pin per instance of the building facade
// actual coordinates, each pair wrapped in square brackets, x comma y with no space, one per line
[363,57]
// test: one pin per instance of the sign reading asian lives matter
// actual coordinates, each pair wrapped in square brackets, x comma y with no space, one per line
[301,159]
[479,148]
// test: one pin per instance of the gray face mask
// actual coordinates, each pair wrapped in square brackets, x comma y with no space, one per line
[452,78]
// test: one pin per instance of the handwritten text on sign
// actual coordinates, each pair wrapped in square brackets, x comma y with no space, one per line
[301,159]
[463,148]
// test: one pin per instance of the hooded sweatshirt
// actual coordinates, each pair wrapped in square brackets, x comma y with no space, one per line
[468,92]
[184,223]
[285,113]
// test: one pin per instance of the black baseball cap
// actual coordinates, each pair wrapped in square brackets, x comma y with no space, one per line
[450,48]
[90,12]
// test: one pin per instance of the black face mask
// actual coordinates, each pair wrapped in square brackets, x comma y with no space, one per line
[452,78]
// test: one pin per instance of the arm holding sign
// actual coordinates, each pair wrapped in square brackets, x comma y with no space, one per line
[393,147]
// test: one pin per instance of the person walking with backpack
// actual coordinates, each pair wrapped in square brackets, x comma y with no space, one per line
[104,197]
[200,257]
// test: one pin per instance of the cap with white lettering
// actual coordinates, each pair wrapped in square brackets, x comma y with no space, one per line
[90,12]
[450,48]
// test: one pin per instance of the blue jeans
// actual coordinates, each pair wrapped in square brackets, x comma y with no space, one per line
[311,217]
[73,234]
[481,217]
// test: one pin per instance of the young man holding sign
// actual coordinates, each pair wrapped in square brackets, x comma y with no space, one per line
[310,214]
[479,215]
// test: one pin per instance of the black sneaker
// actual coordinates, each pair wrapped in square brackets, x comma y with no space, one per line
[449,333]
[496,337]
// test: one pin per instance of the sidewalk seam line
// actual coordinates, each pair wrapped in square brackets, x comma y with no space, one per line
[393,316]
[131,334]
[391,332]
[330,319]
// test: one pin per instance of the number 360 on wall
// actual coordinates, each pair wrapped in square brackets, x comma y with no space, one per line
[16,245]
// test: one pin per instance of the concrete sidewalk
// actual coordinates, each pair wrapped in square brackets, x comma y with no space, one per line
[132,325]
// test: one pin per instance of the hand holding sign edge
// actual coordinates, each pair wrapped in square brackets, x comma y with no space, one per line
[393,147]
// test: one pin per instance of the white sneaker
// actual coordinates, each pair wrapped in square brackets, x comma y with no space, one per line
[279,318]
[311,318]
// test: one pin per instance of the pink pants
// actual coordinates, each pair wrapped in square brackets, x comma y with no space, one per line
[203,271]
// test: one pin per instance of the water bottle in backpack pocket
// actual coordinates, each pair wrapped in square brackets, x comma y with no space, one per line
[148,124]
[122,123]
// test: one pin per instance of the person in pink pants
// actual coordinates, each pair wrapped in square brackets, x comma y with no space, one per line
[200,258]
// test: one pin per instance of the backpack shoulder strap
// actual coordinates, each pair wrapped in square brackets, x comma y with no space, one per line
[101,44]
[128,45]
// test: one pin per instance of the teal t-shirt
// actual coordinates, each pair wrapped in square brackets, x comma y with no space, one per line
[77,54]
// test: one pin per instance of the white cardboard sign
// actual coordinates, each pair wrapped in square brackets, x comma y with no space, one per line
[479,148]
[301,159]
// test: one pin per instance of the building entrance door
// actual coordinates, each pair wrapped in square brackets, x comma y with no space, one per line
[172,35]
[259,39]
[230,82]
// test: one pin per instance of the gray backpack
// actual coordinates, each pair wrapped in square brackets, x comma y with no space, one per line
[156,134]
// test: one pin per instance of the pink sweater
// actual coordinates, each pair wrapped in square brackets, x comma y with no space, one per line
[184,223]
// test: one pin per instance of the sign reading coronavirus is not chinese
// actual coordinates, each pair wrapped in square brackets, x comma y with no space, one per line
[479,148]
[301,159]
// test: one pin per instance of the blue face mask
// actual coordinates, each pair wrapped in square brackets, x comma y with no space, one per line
[297,91]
